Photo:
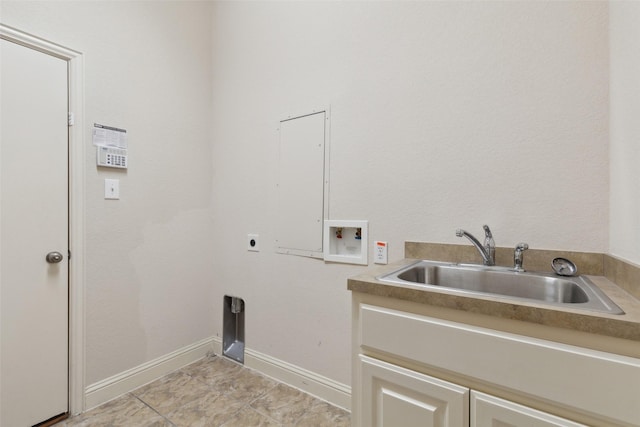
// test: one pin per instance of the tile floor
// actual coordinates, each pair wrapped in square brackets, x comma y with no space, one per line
[213,392]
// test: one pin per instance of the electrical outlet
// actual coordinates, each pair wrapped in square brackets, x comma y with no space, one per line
[380,252]
[253,243]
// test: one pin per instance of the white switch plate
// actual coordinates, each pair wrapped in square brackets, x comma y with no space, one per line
[380,252]
[112,189]
[253,243]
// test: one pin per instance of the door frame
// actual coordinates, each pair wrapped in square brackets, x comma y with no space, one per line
[75,86]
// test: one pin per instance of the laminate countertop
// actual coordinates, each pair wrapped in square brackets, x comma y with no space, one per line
[624,326]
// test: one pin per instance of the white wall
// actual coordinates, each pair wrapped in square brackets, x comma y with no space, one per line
[148,255]
[624,24]
[444,115]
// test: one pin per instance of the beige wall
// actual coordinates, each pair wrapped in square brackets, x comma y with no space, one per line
[148,255]
[443,115]
[624,25]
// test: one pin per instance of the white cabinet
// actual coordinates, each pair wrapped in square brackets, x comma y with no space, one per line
[401,358]
[393,396]
[487,410]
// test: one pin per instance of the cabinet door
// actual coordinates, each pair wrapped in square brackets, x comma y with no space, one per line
[393,396]
[487,410]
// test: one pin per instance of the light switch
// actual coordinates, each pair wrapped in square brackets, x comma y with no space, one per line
[112,189]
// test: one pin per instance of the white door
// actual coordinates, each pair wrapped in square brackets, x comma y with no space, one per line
[487,410]
[34,223]
[393,396]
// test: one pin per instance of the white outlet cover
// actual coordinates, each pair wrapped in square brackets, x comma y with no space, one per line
[253,242]
[380,252]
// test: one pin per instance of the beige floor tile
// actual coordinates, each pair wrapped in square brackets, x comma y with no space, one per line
[249,417]
[213,391]
[283,404]
[156,421]
[172,392]
[208,368]
[126,410]
[321,414]
[211,410]
[244,385]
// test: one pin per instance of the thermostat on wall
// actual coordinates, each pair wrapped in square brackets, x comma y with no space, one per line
[111,146]
[111,157]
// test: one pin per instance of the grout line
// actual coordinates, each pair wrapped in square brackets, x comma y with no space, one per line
[248,407]
[153,409]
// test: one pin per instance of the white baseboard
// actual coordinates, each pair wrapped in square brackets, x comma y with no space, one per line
[336,393]
[112,387]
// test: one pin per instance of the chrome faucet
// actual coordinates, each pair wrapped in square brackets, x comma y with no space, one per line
[517,256]
[488,250]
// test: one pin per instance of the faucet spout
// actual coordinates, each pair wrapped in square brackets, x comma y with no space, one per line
[488,250]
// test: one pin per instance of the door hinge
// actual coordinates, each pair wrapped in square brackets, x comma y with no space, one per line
[69,257]
[71,119]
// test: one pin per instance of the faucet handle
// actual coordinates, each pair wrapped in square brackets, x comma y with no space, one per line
[517,256]
[487,232]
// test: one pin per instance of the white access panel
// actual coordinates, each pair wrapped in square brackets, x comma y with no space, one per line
[301,185]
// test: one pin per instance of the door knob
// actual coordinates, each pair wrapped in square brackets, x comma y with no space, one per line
[54,257]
